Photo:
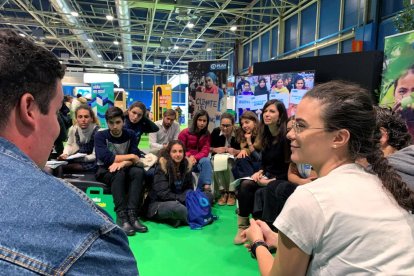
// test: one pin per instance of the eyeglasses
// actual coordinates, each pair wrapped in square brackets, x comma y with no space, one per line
[298,127]
[226,126]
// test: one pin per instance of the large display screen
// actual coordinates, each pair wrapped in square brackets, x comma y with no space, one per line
[252,92]
[85,91]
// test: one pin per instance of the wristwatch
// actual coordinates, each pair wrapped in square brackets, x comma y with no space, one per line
[255,245]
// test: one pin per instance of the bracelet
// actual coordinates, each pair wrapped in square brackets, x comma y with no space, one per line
[255,245]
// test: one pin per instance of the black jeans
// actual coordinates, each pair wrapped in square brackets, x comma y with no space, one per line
[171,210]
[269,202]
[245,194]
[127,186]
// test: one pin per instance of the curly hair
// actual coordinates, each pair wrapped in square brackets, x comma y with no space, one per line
[398,135]
[348,106]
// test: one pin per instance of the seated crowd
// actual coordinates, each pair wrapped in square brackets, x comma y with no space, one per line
[259,152]
[331,189]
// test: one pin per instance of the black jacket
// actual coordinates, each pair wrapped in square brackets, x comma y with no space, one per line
[163,188]
[220,141]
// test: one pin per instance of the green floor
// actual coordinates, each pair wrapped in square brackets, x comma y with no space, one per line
[182,251]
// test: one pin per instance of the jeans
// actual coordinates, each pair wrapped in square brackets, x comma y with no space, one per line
[206,170]
[49,227]
[127,186]
[171,210]
[245,195]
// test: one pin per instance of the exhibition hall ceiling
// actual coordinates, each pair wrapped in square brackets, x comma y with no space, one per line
[141,35]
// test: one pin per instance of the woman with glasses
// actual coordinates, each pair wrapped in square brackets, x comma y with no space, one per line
[223,143]
[274,162]
[349,220]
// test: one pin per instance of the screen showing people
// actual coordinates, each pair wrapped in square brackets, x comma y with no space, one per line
[85,91]
[253,91]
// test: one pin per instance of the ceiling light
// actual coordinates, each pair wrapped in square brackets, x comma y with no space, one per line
[121,66]
[75,14]
[176,47]
[99,56]
[109,17]
[116,42]
[119,57]
[167,60]
[162,69]
[22,35]
[190,25]
[90,40]
[208,50]
[233,28]
[105,65]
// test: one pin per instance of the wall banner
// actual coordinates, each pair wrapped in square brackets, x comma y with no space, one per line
[161,100]
[398,76]
[102,99]
[208,77]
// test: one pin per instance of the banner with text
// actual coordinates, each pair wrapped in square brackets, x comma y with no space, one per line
[102,99]
[208,77]
[161,100]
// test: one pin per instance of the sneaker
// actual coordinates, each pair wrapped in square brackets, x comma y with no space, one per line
[223,199]
[231,200]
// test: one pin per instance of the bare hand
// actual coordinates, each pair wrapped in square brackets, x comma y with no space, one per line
[116,167]
[63,157]
[263,181]
[242,154]
[134,159]
[270,237]
[192,159]
[248,137]
[257,175]
[253,233]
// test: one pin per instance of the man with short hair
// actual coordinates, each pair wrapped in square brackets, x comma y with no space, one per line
[48,226]
[118,166]
[168,131]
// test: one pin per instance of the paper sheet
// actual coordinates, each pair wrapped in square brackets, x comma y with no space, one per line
[54,163]
[75,156]
[236,182]
[220,162]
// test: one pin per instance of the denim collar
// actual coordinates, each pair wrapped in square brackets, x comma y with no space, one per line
[10,149]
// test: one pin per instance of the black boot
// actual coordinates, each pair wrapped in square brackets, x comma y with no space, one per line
[123,222]
[136,224]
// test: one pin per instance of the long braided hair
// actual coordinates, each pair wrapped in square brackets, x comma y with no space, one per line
[348,106]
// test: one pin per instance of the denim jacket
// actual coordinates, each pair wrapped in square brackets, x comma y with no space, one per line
[49,227]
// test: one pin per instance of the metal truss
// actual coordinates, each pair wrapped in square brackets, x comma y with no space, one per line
[144,36]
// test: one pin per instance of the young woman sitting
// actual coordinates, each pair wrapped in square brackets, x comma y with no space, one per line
[351,220]
[196,140]
[172,180]
[80,140]
[223,143]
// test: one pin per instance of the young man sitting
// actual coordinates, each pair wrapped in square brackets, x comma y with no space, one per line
[168,131]
[117,156]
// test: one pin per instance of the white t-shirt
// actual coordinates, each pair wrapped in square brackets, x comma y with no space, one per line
[349,224]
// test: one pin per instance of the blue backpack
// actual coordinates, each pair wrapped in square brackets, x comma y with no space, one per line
[199,210]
